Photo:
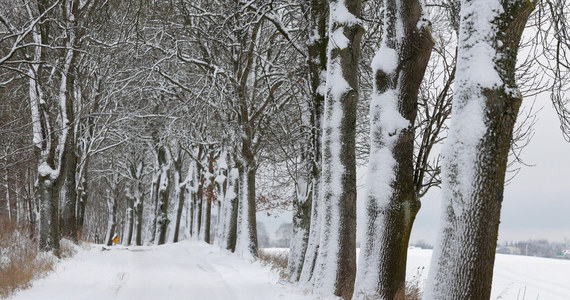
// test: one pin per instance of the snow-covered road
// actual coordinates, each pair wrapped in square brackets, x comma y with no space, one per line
[185,270]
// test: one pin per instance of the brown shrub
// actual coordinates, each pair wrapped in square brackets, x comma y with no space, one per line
[277,260]
[20,262]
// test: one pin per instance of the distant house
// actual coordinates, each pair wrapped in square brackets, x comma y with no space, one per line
[564,254]
[509,250]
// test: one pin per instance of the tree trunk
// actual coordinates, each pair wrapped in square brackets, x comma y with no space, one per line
[232,199]
[180,207]
[129,223]
[301,228]
[246,241]
[82,199]
[180,193]
[7,187]
[317,61]
[485,108]
[199,202]
[222,189]
[112,217]
[138,207]
[69,198]
[154,197]
[335,268]
[210,197]
[163,194]
[48,225]
[392,203]
[192,212]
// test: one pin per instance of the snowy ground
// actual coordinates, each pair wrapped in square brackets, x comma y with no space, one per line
[195,270]
[185,270]
[515,277]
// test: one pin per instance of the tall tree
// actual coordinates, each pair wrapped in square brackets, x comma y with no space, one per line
[392,202]
[306,224]
[486,103]
[335,267]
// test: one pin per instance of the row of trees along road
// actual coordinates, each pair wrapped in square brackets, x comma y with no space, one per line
[170,120]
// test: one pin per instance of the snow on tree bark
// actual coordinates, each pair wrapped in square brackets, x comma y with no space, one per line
[301,228]
[302,254]
[162,220]
[231,211]
[68,197]
[210,195]
[486,104]
[246,235]
[392,203]
[129,222]
[180,188]
[335,267]
[222,189]
[112,213]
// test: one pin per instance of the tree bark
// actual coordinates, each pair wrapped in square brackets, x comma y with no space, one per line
[301,229]
[301,267]
[48,226]
[232,211]
[476,152]
[392,203]
[138,207]
[335,268]
[112,215]
[163,194]
[210,197]
[69,198]
[180,196]
[129,223]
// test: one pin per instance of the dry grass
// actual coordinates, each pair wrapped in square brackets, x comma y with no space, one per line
[20,262]
[412,290]
[277,260]
[67,248]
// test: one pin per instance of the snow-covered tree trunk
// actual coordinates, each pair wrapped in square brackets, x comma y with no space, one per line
[335,267]
[71,11]
[485,108]
[163,194]
[222,189]
[151,236]
[68,197]
[210,196]
[391,203]
[112,214]
[138,212]
[199,197]
[192,189]
[129,222]
[246,236]
[7,187]
[52,146]
[179,195]
[196,198]
[83,194]
[231,211]
[302,256]
[48,222]
[301,228]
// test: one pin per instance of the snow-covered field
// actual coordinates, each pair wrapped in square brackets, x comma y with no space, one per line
[515,277]
[195,270]
[185,270]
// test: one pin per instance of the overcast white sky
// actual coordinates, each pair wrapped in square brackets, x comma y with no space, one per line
[536,203]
